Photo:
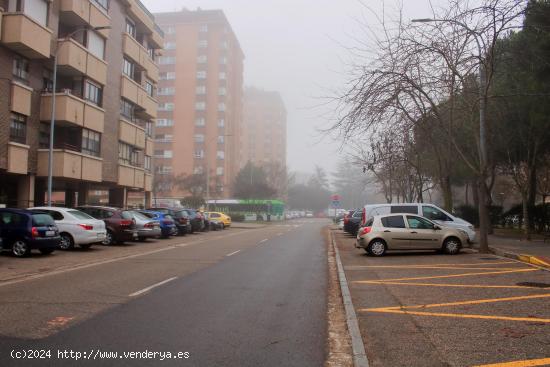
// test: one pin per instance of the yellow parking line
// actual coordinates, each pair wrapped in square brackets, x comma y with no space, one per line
[433,267]
[454,275]
[413,266]
[524,363]
[463,316]
[382,282]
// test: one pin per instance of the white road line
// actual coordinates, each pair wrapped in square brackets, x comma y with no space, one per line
[263,241]
[144,290]
[233,253]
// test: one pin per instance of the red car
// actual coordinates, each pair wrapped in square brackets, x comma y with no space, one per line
[120,223]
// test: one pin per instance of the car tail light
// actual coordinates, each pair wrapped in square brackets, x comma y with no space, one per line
[125,223]
[167,221]
[148,225]
[183,220]
[346,218]
[365,230]
[87,227]
[34,232]
[364,216]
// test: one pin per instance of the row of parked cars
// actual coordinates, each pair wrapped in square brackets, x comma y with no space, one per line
[49,228]
[406,226]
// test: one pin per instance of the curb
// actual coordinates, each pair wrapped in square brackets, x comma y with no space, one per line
[358,347]
[539,261]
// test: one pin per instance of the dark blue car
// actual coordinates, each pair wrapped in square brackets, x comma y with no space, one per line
[167,224]
[24,230]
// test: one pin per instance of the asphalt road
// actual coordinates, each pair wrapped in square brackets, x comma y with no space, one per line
[431,309]
[242,298]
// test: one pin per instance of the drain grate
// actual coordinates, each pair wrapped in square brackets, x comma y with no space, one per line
[488,258]
[533,284]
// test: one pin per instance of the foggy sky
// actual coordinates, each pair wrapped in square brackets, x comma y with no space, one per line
[296,47]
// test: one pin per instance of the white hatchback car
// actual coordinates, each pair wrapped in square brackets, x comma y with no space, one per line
[75,227]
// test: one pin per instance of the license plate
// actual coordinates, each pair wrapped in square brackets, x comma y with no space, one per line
[50,233]
[135,235]
[157,227]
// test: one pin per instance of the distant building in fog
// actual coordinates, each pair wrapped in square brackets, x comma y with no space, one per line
[200,101]
[264,128]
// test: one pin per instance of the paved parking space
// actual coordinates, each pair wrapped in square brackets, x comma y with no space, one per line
[429,309]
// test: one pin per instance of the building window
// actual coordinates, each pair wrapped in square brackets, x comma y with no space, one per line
[198,170]
[200,106]
[169,45]
[36,9]
[44,136]
[200,89]
[128,68]
[127,154]
[199,154]
[167,60]
[221,139]
[164,170]
[96,44]
[147,163]
[219,171]
[223,60]
[21,68]
[163,154]
[203,28]
[199,138]
[164,138]
[127,109]
[222,75]
[149,128]
[18,128]
[167,76]
[225,45]
[222,91]
[221,107]
[149,88]
[102,3]
[202,59]
[168,106]
[220,154]
[130,28]
[221,123]
[91,142]
[200,121]
[201,74]
[169,30]
[93,93]
[170,91]
[203,43]
[165,123]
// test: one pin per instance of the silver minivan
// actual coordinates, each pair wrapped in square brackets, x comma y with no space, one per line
[430,211]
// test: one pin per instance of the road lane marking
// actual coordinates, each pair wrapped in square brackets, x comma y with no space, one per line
[422,265]
[144,290]
[432,267]
[463,316]
[233,253]
[451,276]
[524,363]
[383,282]
[263,241]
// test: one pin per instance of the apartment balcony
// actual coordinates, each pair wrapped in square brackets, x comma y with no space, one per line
[131,134]
[135,93]
[130,176]
[21,98]
[148,182]
[139,54]
[18,158]
[144,22]
[71,109]
[25,36]
[149,146]
[83,13]
[74,59]
[71,165]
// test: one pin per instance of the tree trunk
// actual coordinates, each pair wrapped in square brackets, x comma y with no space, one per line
[447,192]
[475,194]
[466,194]
[483,215]
[526,219]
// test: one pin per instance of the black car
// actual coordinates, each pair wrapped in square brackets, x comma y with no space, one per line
[352,221]
[25,230]
[197,220]
[181,218]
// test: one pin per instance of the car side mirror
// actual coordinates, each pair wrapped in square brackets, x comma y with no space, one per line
[437,228]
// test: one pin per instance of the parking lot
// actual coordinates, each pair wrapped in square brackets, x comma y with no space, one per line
[429,309]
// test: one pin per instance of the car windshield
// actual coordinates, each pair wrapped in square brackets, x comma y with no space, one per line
[42,220]
[140,216]
[79,215]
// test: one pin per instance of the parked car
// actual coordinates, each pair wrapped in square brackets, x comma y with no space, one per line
[214,222]
[75,227]
[197,222]
[25,230]
[146,227]
[224,218]
[180,216]
[119,223]
[404,231]
[429,211]
[167,224]
[352,222]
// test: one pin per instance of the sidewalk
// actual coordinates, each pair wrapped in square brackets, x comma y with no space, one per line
[535,252]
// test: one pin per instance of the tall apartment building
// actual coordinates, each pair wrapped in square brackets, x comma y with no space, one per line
[264,128]
[200,102]
[105,104]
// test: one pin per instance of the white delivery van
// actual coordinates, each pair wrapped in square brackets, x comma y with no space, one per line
[426,210]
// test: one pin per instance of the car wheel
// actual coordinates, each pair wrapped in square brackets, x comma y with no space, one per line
[67,242]
[109,238]
[377,248]
[223,226]
[142,239]
[46,251]
[20,248]
[452,245]
[85,246]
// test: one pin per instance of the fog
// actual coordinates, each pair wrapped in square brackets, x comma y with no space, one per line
[299,48]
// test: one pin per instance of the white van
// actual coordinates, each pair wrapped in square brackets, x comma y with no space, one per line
[429,211]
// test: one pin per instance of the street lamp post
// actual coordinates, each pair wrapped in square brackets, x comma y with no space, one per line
[52,120]
[208,175]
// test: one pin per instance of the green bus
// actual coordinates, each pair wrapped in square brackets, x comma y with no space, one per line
[250,209]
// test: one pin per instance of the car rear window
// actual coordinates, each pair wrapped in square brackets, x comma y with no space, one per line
[42,220]
[79,215]
[395,221]
[141,216]
[412,209]
[126,215]
[148,215]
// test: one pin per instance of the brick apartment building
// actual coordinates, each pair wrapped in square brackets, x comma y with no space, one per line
[200,102]
[264,122]
[105,100]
